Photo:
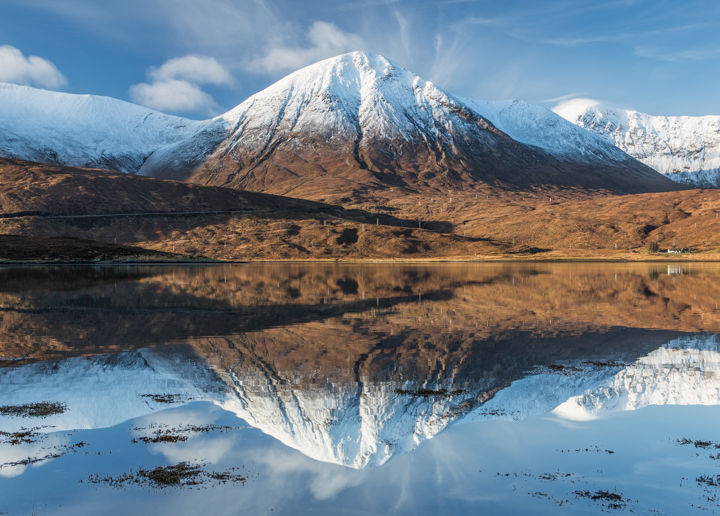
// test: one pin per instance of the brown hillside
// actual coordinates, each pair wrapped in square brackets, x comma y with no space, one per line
[221,223]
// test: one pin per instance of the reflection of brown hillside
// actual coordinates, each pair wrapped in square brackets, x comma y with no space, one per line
[309,355]
[99,314]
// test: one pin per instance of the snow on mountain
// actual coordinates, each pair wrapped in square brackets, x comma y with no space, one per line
[683,372]
[686,149]
[360,122]
[347,125]
[540,127]
[357,102]
[83,130]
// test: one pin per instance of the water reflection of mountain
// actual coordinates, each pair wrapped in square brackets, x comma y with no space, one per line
[350,364]
[51,313]
[686,371]
[356,409]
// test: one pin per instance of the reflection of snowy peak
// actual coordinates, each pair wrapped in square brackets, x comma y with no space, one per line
[83,130]
[686,149]
[355,422]
[683,372]
[356,425]
[106,390]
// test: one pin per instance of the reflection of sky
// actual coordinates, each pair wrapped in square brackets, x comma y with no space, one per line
[454,473]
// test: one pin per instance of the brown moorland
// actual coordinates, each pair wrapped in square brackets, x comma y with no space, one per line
[15,248]
[48,200]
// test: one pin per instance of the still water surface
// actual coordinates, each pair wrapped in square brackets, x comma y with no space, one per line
[361,389]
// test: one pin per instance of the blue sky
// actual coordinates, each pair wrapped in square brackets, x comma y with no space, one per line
[200,58]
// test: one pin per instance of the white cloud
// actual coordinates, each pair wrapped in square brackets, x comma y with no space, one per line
[171,95]
[174,86]
[569,96]
[326,40]
[194,69]
[33,70]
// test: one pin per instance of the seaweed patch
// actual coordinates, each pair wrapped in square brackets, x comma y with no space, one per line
[181,475]
[167,399]
[40,409]
[23,436]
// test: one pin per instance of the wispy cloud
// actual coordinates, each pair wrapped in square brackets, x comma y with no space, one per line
[622,36]
[15,68]
[565,97]
[674,56]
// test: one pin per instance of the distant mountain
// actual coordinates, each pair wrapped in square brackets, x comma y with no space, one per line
[686,149]
[540,127]
[83,130]
[345,128]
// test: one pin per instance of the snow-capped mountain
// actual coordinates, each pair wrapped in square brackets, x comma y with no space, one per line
[83,130]
[341,127]
[359,121]
[686,149]
[540,127]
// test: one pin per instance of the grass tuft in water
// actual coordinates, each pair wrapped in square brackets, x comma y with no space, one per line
[41,409]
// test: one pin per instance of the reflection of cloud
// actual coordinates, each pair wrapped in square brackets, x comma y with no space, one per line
[44,446]
[326,40]
[207,448]
[173,418]
[175,84]
[326,482]
[15,68]
[204,447]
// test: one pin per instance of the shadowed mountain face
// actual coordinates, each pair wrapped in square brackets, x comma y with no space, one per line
[359,126]
[354,364]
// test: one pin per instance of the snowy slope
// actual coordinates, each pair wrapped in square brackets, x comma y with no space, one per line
[362,121]
[106,390]
[83,130]
[540,127]
[356,102]
[357,119]
[686,149]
